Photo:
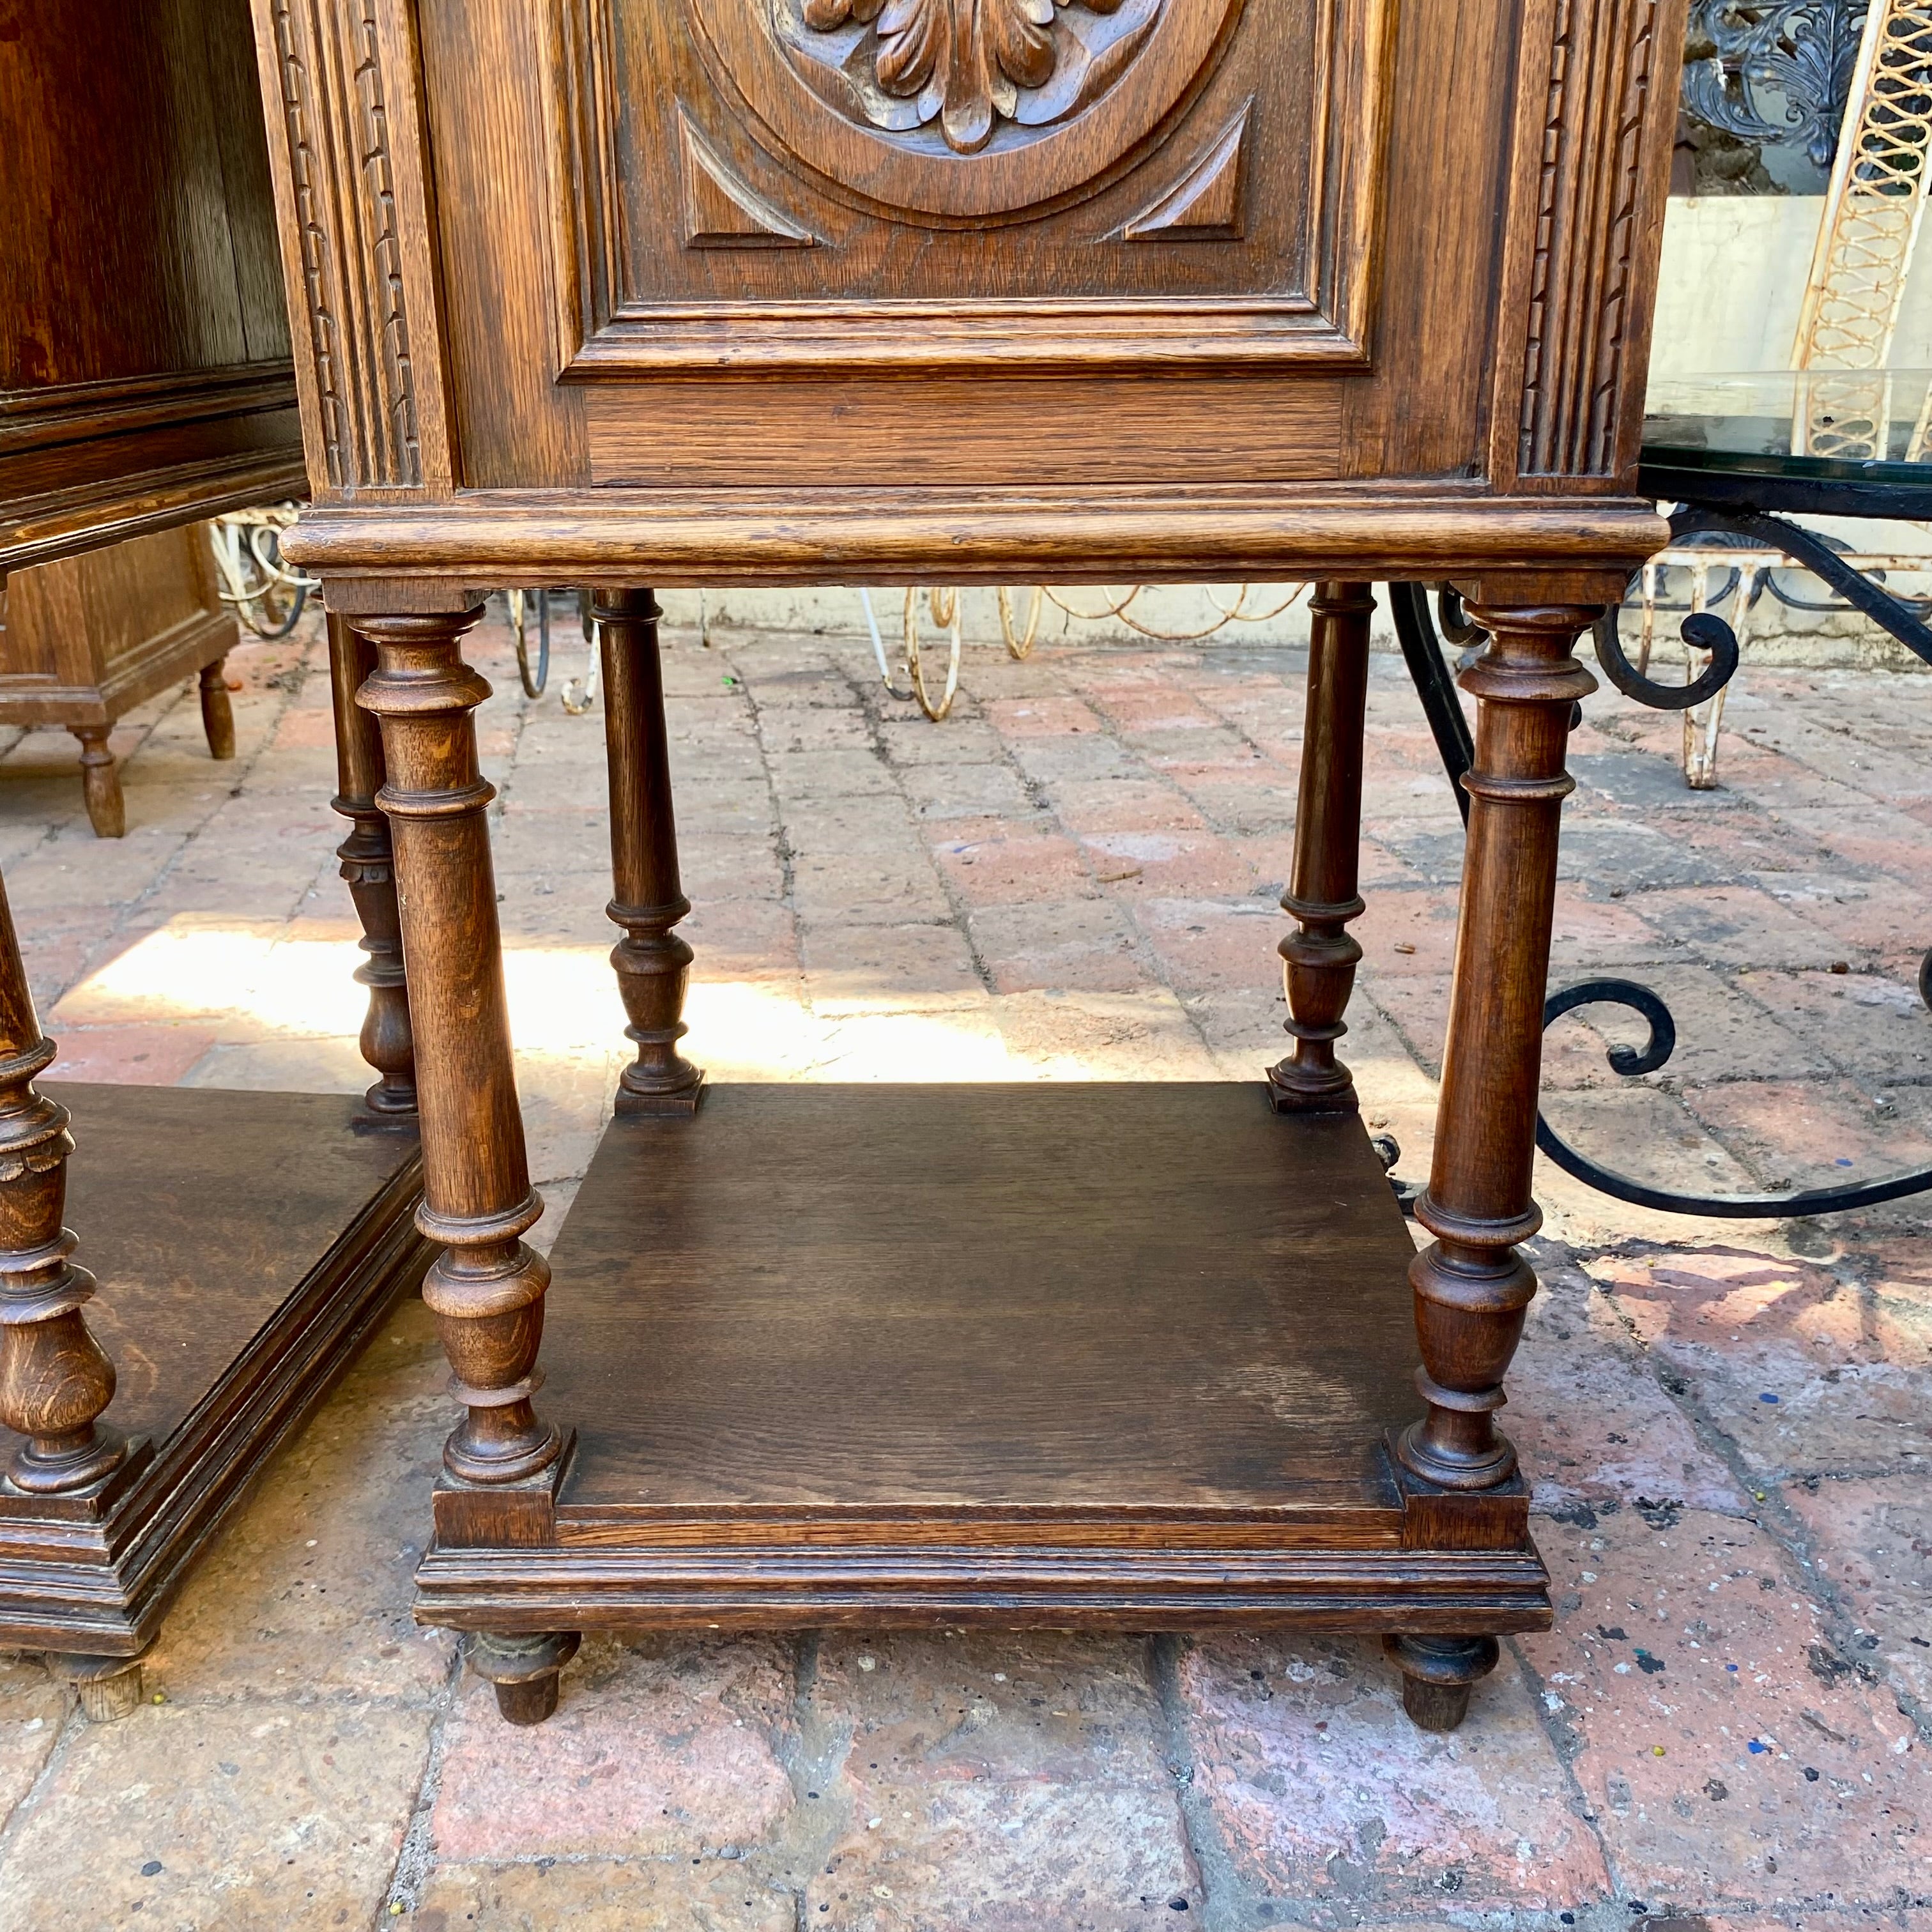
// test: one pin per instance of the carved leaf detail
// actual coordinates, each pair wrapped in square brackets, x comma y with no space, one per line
[963,62]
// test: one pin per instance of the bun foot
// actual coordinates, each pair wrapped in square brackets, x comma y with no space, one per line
[1438,1675]
[108,1688]
[524,1670]
[528,1703]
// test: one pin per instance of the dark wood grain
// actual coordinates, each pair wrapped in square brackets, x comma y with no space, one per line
[1472,1284]
[908,535]
[963,430]
[369,870]
[1059,1354]
[55,1379]
[930,1299]
[486,1290]
[228,1314]
[144,348]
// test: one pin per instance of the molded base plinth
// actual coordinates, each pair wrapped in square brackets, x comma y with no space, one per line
[1115,1357]
[247,1246]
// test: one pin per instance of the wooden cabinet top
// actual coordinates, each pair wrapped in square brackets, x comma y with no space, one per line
[802,288]
[144,377]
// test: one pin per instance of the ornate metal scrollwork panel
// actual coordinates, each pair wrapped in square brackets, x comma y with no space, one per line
[1779,71]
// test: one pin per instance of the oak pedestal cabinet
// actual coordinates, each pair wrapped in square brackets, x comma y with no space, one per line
[631,292]
[85,638]
[233,1249]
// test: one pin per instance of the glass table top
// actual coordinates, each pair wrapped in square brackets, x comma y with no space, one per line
[1867,430]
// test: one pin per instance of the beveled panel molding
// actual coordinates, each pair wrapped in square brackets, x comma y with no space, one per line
[1111,133]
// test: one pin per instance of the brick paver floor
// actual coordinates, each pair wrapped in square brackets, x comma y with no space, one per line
[1074,878]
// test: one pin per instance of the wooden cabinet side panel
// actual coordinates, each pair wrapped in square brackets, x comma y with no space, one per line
[118,261]
[340,90]
[87,636]
[499,273]
[1423,412]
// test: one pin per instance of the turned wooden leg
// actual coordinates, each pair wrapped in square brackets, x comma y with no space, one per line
[486,1290]
[1438,1673]
[525,1670]
[217,715]
[653,964]
[1320,958]
[1471,1286]
[101,782]
[54,1379]
[368,866]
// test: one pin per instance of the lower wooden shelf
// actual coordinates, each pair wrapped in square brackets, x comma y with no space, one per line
[246,1245]
[1120,1355]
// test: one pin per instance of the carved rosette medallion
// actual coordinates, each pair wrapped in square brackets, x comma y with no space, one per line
[954,112]
[964,67]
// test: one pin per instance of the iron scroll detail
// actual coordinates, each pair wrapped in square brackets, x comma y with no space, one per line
[1654,1052]
[1422,648]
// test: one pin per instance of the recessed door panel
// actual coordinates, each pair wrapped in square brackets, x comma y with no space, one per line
[852,184]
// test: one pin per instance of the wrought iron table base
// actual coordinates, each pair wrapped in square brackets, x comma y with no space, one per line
[1422,644]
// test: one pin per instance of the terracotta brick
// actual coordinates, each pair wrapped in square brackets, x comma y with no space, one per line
[1154,709]
[143,1056]
[855,969]
[1870,1024]
[1814,1133]
[1006,1781]
[1781,1353]
[1587,1414]
[1008,870]
[955,791]
[1043,717]
[33,1708]
[1065,1033]
[1207,945]
[1258,802]
[844,772]
[888,888]
[1872,1542]
[1321,1790]
[679,1894]
[226,1816]
[1737,925]
[307,1595]
[1075,944]
[1124,804]
[1422,922]
[678,1737]
[1729,1754]
[1172,865]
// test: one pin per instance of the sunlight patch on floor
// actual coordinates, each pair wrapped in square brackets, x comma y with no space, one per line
[250,982]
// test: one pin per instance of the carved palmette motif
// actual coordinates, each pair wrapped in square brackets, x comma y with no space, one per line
[968,65]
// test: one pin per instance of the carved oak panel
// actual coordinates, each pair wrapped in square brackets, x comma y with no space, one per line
[845,183]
